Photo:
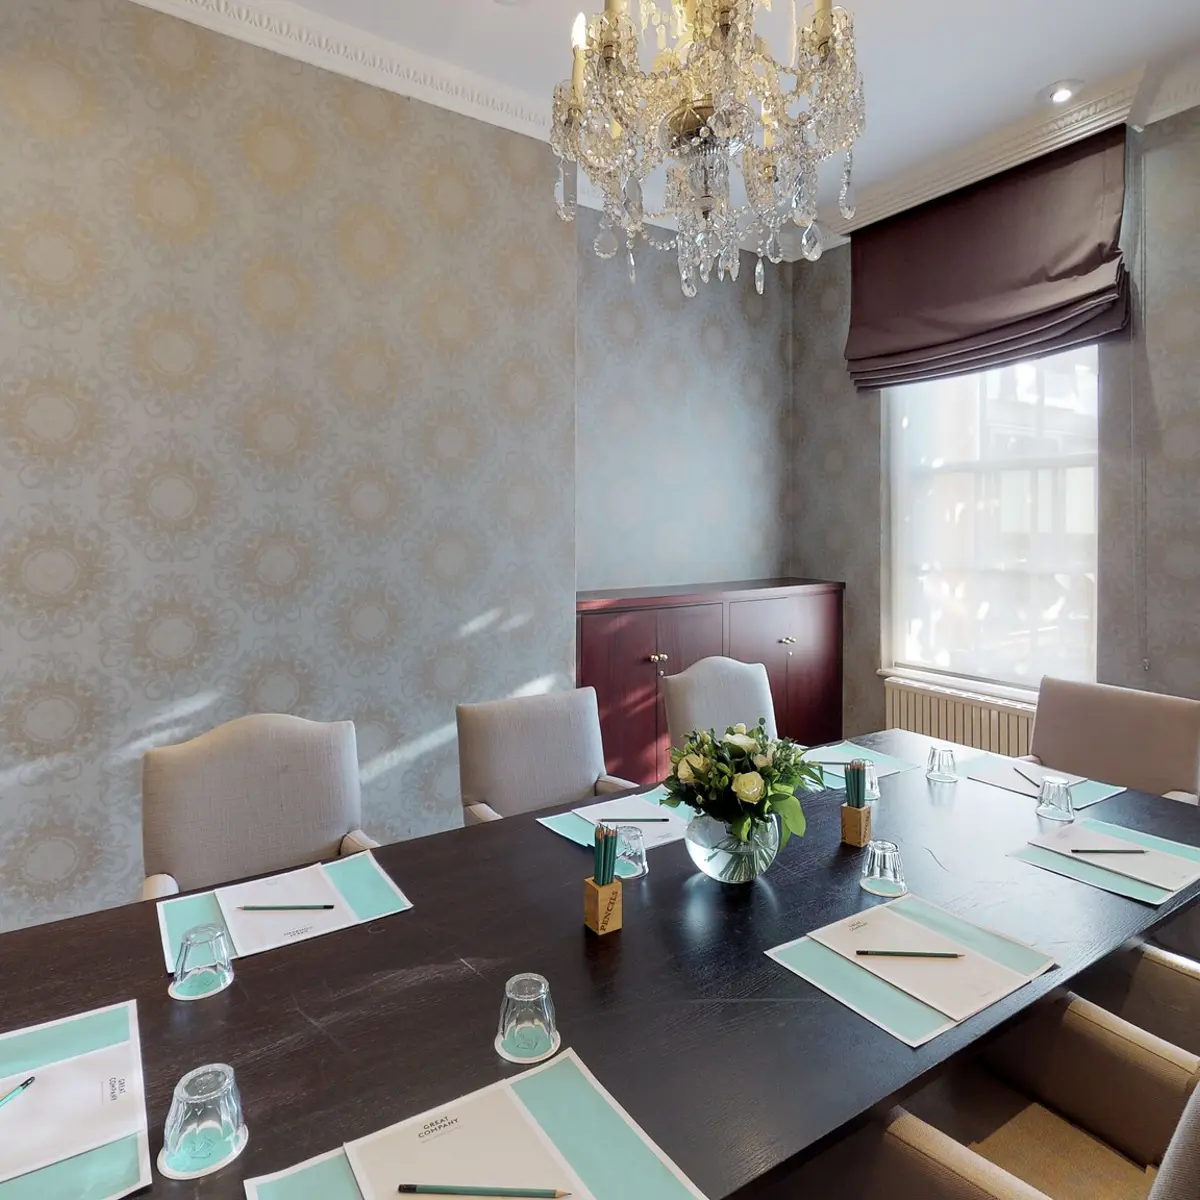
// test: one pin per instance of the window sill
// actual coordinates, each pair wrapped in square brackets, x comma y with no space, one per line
[956,683]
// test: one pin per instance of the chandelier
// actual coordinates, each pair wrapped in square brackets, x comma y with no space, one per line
[740,135]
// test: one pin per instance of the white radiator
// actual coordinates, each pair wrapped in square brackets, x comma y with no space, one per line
[991,723]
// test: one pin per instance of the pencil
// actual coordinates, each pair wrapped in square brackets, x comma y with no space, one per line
[907,954]
[432,1189]
[1108,851]
[16,1091]
[286,907]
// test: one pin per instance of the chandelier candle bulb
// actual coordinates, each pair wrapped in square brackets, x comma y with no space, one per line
[578,46]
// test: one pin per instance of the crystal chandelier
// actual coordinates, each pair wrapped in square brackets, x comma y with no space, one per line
[739,134]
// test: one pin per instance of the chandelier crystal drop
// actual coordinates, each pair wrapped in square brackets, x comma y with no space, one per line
[688,86]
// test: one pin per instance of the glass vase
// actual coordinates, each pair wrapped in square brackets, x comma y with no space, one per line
[722,857]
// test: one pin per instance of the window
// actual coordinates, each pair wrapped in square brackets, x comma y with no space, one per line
[994,521]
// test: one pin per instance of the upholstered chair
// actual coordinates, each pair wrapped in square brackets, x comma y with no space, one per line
[716,693]
[1138,740]
[263,793]
[516,756]
[1072,1104]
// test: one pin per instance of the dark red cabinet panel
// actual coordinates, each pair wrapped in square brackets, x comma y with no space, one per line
[629,640]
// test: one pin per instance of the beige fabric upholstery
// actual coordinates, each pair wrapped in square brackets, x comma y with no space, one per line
[521,755]
[1138,740]
[1151,988]
[355,842]
[259,794]
[159,887]
[1179,1177]
[716,693]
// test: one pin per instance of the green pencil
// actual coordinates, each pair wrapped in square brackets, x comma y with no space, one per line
[431,1189]
[907,954]
[16,1091]
[285,907]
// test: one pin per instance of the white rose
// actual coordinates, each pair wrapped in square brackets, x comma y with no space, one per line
[688,766]
[739,729]
[743,741]
[762,760]
[749,788]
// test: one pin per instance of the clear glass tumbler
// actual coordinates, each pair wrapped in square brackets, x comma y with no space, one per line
[1054,800]
[941,768]
[204,965]
[205,1129]
[631,851]
[528,1032]
[872,782]
[882,870]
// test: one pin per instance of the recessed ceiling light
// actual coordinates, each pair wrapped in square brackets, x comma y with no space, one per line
[1061,92]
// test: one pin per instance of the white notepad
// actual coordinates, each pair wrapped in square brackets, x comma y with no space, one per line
[958,987]
[254,932]
[1155,867]
[620,810]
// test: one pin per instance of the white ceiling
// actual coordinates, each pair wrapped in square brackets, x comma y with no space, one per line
[939,74]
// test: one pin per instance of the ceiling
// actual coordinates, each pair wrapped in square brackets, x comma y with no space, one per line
[939,74]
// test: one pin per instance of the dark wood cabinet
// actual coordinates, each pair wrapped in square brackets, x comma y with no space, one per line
[628,640]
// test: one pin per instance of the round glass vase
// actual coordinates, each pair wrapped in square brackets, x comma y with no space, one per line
[719,854]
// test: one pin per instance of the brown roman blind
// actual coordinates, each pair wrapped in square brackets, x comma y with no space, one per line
[1017,266]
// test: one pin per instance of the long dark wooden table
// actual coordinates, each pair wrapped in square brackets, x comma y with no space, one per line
[737,1068]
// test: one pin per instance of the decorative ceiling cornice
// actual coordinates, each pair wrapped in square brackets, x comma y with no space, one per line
[312,38]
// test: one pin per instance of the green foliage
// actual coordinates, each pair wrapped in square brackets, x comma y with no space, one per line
[743,778]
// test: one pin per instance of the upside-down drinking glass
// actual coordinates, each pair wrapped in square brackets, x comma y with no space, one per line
[1054,800]
[205,1128]
[528,1032]
[204,965]
[882,870]
[941,765]
[631,850]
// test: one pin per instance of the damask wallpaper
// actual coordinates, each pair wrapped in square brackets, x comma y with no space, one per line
[286,423]
[682,408]
[835,499]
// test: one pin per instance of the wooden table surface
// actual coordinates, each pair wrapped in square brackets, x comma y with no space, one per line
[738,1069]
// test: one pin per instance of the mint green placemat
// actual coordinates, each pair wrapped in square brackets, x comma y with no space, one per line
[905,1017]
[365,887]
[583,833]
[846,752]
[1179,849]
[112,1170]
[604,1150]
[22,1052]
[326,1178]
[1084,794]
[1086,872]
[177,916]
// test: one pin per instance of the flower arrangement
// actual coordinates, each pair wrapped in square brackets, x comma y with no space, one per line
[743,779]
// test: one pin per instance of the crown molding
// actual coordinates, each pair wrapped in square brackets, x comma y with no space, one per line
[310,37]
[1100,109]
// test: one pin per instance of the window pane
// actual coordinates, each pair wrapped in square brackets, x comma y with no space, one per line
[994,521]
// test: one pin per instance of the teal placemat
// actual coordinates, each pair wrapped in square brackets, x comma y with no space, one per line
[1085,872]
[1180,849]
[604,1150]
[178,915]
[364,886]
[1084,794]
[112,1170]
[326,1178]
[846,752]
[22,1052]
[902,1015]
[582,833]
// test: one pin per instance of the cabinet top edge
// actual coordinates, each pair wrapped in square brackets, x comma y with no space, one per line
[691,592]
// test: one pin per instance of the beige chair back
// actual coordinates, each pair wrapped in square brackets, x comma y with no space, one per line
[259,794]
[1179,1176]
[1138,740]
[520,755]
[715,693]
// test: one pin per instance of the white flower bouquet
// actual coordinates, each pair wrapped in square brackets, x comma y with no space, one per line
[743,779]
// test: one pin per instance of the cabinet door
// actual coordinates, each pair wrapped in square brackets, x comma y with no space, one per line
[614,658]
[685,635]
[757,629]
[814,668]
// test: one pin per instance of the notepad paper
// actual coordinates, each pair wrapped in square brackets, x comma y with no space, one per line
[87,1095]
[1155,866]
[620,811]
[254,932]
[958,987]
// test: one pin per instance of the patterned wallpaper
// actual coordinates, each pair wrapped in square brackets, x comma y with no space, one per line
[286,423]
[834,501]
[682,408]
[1150,431]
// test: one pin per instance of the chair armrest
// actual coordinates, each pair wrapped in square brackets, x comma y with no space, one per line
[480,814]
[1182,797]
[1029,758]
[355,842]
[915,1159]
[1118,1082]
[607,784]
[159,887]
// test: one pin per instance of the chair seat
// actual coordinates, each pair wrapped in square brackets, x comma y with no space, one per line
[1028,1140]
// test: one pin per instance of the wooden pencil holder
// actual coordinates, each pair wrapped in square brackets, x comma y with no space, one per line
[856,826]
[602,906]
